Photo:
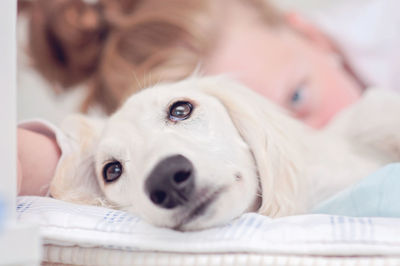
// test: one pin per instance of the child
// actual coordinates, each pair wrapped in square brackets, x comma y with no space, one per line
[118,47]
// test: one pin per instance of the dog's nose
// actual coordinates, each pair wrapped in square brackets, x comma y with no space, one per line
[171,182]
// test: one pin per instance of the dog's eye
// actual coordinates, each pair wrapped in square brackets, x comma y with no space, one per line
[112,171]
[180,110]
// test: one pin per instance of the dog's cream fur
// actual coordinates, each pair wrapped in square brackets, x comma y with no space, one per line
[244,148]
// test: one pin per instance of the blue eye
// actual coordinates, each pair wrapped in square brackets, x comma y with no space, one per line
[297,97]
[299,101]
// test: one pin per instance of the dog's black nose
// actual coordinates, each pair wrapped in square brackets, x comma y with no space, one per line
[171,182]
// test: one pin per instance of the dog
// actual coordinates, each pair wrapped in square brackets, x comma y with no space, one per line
[198,153]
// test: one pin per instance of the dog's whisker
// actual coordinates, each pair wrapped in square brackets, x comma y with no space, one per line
[138,81]
[149,82]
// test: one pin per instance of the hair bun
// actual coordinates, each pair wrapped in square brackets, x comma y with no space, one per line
[66,38]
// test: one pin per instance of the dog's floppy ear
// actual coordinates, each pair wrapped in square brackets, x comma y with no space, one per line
[75,178]
[272,137]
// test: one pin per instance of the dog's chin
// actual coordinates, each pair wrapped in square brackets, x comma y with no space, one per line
[207,208]
[211,217]
[208,211]
[199,210]
[202,218]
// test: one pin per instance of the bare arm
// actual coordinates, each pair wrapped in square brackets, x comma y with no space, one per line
[38,156]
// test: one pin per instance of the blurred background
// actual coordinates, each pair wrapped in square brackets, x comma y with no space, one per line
[116,47]
[36,99]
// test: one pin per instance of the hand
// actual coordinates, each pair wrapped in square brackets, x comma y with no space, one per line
[38,157]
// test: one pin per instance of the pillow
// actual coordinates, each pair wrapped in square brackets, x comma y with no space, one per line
[377,195]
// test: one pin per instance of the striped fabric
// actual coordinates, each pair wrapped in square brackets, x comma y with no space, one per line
[82,235]
[56,255]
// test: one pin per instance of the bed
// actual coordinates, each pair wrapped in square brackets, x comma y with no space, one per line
[89,235]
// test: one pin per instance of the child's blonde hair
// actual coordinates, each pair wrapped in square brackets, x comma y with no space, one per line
[120,46]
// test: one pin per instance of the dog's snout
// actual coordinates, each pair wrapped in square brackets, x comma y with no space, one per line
[171,182]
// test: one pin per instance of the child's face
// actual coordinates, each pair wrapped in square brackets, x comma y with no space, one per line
[290,69]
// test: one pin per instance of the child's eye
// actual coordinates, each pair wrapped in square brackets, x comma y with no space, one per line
[297,96]
[298,101]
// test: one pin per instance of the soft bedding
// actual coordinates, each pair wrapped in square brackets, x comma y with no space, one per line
[84,235]
[108,257]
[376,195]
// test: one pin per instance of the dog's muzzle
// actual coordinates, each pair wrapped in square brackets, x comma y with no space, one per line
[171,182]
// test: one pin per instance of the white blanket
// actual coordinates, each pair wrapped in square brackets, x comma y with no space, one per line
[66,224]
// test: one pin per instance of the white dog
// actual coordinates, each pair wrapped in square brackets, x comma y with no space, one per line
[200,152]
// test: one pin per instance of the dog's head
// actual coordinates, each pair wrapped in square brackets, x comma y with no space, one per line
[189,155]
